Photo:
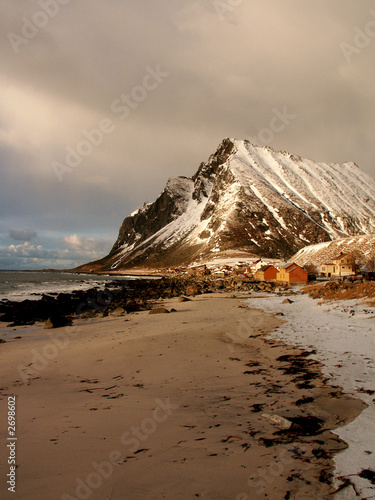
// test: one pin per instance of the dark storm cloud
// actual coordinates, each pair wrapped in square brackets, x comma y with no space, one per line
[231,66]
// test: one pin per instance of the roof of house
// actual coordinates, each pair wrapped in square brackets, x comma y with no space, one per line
[288,265]
[296,266]
[339,257]
[284,265]
[264,268]
[290,268]
[293,267]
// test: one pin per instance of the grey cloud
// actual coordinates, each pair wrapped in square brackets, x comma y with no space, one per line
[22,234]
[73,250]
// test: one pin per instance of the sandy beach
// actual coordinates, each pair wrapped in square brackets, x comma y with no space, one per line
[177,406]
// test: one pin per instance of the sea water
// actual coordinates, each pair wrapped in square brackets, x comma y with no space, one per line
[21,285]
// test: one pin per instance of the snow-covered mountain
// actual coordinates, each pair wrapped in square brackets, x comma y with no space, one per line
[248,199]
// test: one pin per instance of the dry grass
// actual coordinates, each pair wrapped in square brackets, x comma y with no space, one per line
[333,290]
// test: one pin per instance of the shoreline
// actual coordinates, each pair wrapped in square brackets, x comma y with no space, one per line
[99,395]
[341,335]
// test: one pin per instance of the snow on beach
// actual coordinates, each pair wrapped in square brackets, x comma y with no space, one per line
[343,335]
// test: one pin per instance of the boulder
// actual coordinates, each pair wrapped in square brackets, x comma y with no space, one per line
[56,321]
[192,290]
[281,422]
[119,311]
[88,314]
[287,301]
[161,310]
[183,299]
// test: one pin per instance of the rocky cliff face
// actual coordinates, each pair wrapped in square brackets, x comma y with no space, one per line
[248,199]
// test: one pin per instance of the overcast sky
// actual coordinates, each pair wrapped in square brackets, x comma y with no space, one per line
[102,100]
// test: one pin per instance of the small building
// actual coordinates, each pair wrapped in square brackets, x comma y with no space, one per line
[266,273]
[292,273]
[327,269]
[240,266]
[201,270]
[219,273]
[256,265]
[341,266]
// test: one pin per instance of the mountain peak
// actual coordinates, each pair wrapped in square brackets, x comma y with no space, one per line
[225,149]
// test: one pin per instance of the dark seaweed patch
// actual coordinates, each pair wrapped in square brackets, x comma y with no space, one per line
[368,474]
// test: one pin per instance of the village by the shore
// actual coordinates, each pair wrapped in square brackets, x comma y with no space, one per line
[344,266]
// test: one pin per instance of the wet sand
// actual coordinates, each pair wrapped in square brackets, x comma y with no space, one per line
[175,406]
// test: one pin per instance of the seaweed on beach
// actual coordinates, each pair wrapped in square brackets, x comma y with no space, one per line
[256,408]
[368,474]
[307,425]
[298,363]
[302,426]
[304,369]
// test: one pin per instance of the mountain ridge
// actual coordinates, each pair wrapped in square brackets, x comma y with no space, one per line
[247,198]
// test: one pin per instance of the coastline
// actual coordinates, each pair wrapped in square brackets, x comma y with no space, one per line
[32,285]
[212,373]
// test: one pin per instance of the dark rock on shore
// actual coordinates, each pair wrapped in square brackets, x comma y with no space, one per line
[56,321]
[126,296]
[119,311]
